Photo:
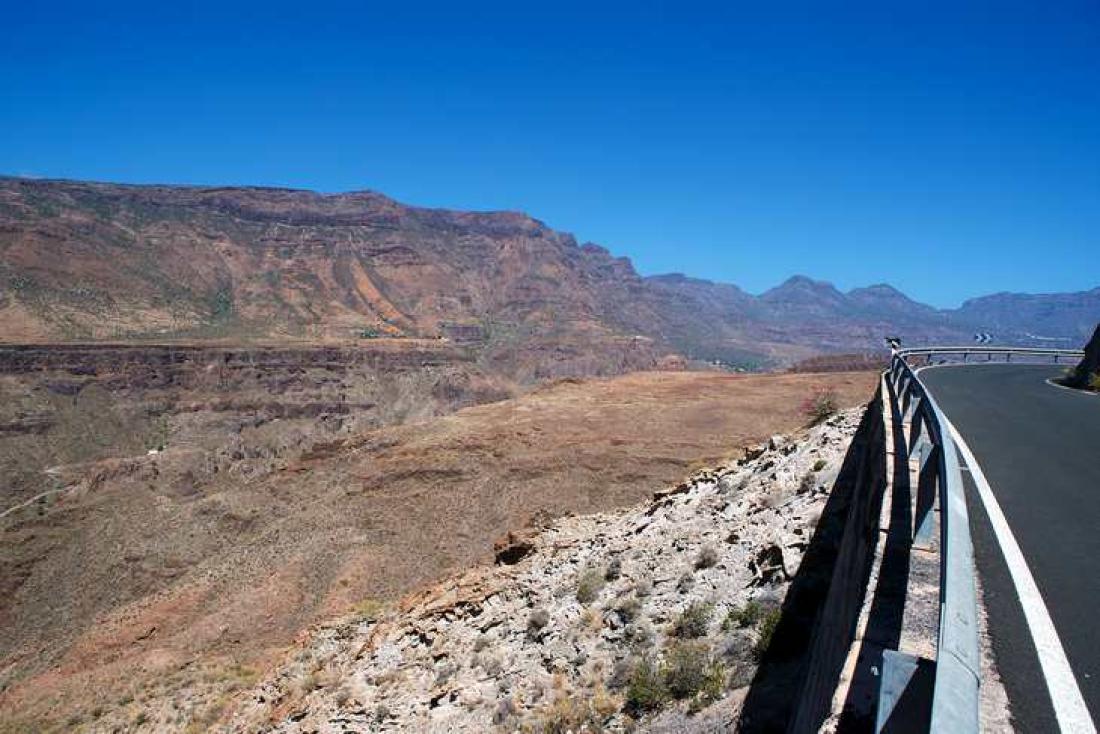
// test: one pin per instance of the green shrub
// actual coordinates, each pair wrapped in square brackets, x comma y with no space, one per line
[746,616]
[690,670]
[693,621]
[589,585]
[646,690]
[819,465]
[765,632]
[1094,381]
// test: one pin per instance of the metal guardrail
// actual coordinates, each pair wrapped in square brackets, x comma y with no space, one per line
[955,690]
[990,352]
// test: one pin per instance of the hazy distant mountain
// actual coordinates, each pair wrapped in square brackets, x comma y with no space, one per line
[90,261]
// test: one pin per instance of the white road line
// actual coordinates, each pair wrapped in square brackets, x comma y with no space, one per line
[1069,704]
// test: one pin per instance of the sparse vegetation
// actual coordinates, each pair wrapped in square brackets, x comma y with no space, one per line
[690,671]
[646,690]
[765,632]
[538,619]
[708,556]
[742,617]
[821,405]
[819,465]
[629,609]
[369,610]
[221,305]
[589,585]
[567,713]
[694,621]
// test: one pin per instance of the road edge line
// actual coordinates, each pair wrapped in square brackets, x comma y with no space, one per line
[1065,695]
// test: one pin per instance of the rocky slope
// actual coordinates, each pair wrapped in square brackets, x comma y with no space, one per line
[87,261]
[654,615]
[1086,375]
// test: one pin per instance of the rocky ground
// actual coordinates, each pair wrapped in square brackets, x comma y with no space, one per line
[649,618]
[1086,375]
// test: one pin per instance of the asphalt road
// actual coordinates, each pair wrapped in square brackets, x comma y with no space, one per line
[1039,447]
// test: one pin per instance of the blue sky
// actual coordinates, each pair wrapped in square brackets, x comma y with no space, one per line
[728,141]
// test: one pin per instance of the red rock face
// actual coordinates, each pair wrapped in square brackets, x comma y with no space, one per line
[102,262]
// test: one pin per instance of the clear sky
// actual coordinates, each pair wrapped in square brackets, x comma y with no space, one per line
[727,141]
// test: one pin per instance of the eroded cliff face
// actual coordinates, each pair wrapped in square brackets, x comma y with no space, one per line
[82,261]
[64,406]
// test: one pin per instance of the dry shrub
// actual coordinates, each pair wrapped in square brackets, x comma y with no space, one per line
[821,405]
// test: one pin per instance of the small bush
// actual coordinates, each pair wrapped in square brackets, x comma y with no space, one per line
[689,670]
[766,630]
[808,483]
[629,609]
[746,616]
[574,714]
[538,619]
[646,690]
[820,406]
[614,570]
[589,585]
[1094,381]
[693,621]
[708,556]
[819,465]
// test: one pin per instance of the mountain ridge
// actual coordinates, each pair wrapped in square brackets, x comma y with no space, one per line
[92,261]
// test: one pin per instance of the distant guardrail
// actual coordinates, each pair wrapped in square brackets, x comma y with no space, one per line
[957,680]
[990,352]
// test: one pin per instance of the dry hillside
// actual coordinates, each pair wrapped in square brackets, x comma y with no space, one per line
[186,572]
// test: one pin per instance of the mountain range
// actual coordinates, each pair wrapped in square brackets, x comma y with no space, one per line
[107,262]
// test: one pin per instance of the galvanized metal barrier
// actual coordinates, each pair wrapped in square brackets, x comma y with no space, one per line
[957,678]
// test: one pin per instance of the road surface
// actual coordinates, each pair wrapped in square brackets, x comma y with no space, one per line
[1039,448]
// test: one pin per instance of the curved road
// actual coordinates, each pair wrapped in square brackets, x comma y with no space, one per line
[1039,448]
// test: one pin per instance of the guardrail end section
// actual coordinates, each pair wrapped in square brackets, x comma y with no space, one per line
[955,706]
